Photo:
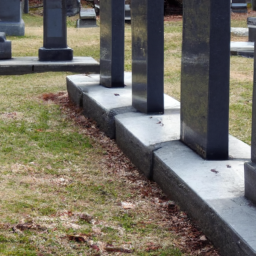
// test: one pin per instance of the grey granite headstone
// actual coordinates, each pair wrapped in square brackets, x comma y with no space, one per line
[239,7]
[55,32]
[73,7]
[87,18]
[5,47]
[10,18]
[26,6]
[251,23]
[112,43]
[147,55]
[250,167]
[205,77]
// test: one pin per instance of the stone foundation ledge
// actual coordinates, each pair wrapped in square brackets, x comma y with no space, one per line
[211,192]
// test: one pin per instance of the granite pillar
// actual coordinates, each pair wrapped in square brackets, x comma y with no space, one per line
[112,43]
[11,22]
[250,167]
[205,77]
[55,32]
[147,55]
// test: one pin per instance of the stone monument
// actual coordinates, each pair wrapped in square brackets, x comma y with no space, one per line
[205,77]
[73,7]
[250,167]
[10,18]
[26,6]
[5,47]
[112,43]
[87,18]
[147,55]
[55,32]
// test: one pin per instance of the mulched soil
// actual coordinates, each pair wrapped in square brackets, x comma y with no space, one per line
[192,240]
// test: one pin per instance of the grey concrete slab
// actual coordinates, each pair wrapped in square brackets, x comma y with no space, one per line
[86,23]
[27,65]
[100,103]
[212,192]
[239,31]
[245,49]
[87,14]
[139,135]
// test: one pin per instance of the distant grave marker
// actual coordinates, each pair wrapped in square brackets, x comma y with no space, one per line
[55,32]
[10,18]
[205,77]
[87,18]
[5,47]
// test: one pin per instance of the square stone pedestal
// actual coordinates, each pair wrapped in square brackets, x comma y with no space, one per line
[13,28]
[55,54]
[250,181]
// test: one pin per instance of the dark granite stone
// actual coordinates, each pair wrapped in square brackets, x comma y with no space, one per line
[112,43]
[250,167]
[10,18]
[147,55]
[251,22]
[26,6]
[55,32]
[205,77]
[239,7]
[73,7]
[5,47]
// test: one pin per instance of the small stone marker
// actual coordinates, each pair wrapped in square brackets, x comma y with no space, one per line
[112,43]
[5,47]
[239,7]
[147,55]
[26,6]
[10,18]
[205,77]
[250,167]
[251,23]
[87,18]
[73,7]
[127,13]
[55,32]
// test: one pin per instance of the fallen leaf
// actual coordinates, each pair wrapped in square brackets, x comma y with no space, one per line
[78,238]
[213,170]
[117,249]
[203,238]
[116,94]
[228,166]
[126,205]
[86,217]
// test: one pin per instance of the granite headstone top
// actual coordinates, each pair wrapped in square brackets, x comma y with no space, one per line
[5,47]
[73,7]
[10,18]
[87,18]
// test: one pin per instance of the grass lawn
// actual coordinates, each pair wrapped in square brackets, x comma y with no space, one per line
[60,177]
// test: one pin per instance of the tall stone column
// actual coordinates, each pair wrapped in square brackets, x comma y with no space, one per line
[112,43]
[250,167]
[205,77]
[147,55]
[55,32]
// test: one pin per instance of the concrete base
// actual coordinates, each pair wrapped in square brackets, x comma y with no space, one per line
[27,65]
[55,54]
[239,7]
[239,31]
[212,192]
[250,181]
[86,23]
[13,28]
[244,49]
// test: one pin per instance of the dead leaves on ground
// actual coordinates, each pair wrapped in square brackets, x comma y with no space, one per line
[166,213]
